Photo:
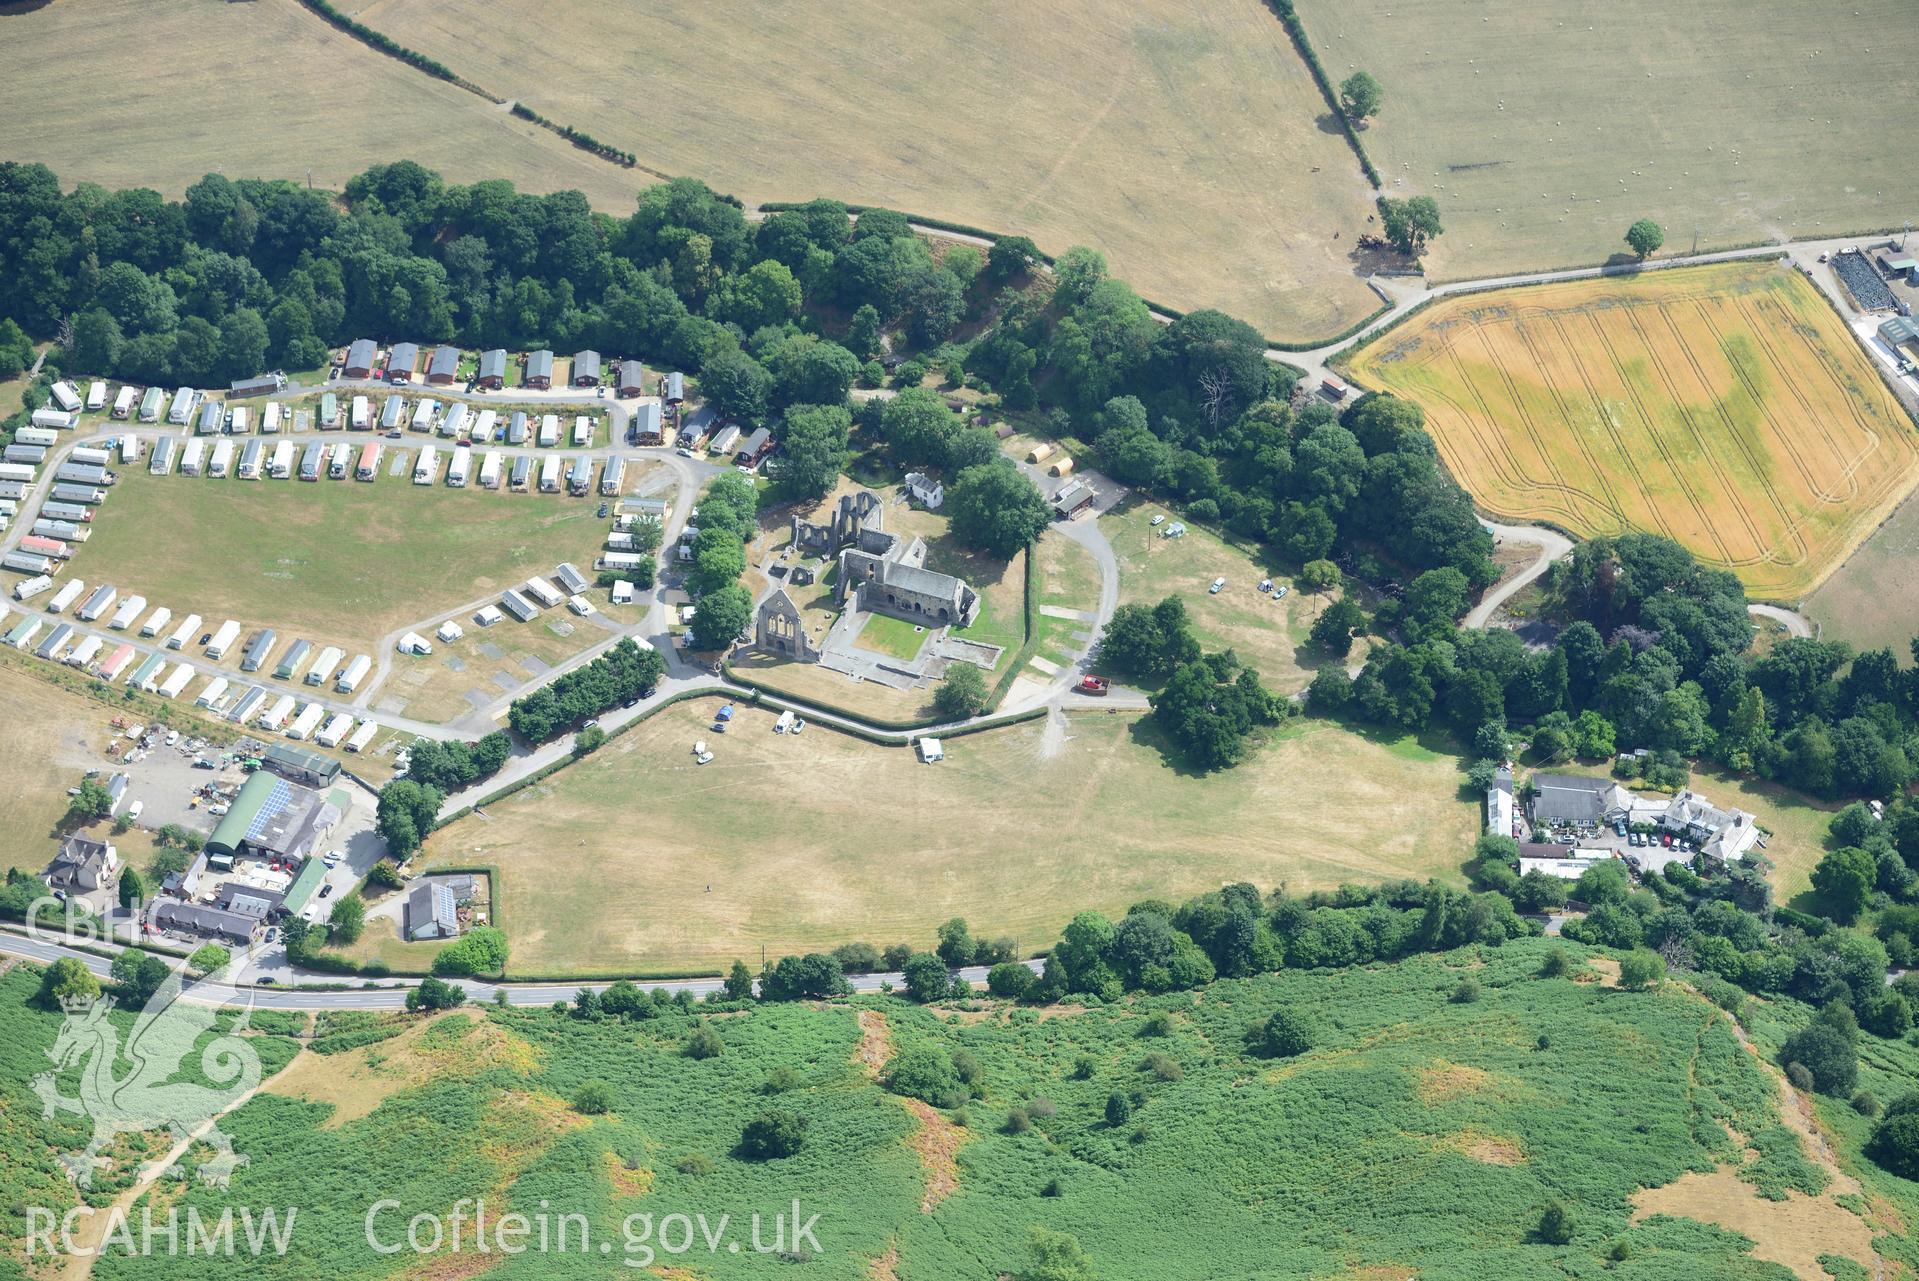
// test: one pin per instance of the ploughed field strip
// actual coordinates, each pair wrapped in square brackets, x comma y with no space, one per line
[1725,407]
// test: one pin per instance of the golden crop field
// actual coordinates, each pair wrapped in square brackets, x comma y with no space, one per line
[1182,140]
[127,93]
[1544,128]
[1726,407]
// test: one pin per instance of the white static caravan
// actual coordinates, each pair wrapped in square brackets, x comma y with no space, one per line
[340,461]
[176,683]
[84,652]
[541,590]
[240,422]
[65,395]
[180,411]
[97,604]
[276,715]
[28,588]
[362,419]
[426,415]
[249,703]
[184,632]
[362,736]
[210,695]
[458,470]
[223,640]
[129,448]
[456,421]
[550,476]
[155,621]
[488,615]
[281,468]
[192,457]
[414,644]
[96,394]
[549,429]
[124,402]
[45,437]
[130,608]
[251,460]
[19,473]
[310,718]
[330,734]
[55,419]
[222,460]
[353,673]
[271,417]
[325,665]
[426,468]
[165,450]
[582,432]
[490,470]
[87,456]
[483,425]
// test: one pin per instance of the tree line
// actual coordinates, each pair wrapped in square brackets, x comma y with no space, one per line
[625,672]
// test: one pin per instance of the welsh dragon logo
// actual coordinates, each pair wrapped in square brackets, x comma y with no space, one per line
[146,1096]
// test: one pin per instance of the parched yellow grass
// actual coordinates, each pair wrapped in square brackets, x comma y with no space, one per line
[1184,141]
[356,1082]
[130,94]
[1794,1232]
[1726,407]
[638,859]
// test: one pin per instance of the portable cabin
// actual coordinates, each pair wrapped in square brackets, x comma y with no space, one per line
[176,682]
[259,648]
[570,578]
[426,468]
[362,419]
[550,476]
[129,610]
[754,448]
[541,590]
[210,420]
[516,428]
[116,662]
[276,713]
[311,460]
[28,588]
[98,603]
[456,470]
[281,466]
[223,639]
[56,642]
[649,426]
[65,395]
[180,410]
[129,448]
[549,430]
[582,432]
[335,729]
[54,419]
[239,421]
[630,377]
[391,411]
[21,634]
[191,457]
[210,695]
[612,476]
[518,606]
[310,718]
[676,389]
[369,465]
[484,423]
[400,362]
[443,366]
[580,478]
[490,470]
[324,666]
[522,468]
[329,411]
[96,394]
[294,661]
[250,458]
[16,473]
[456,421]
[248,702]
[184,632]
[264,385]
[84,652]
[362,736]
[123,403]
[353,673]
[155,621]
[340,461]
[359,359]
[58,531]
[222,460]
[539,369]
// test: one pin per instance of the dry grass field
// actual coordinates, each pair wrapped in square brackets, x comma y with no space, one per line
[131,94]
[1544,128]
[1873,599]
[1184,141]
[1724,406]
[638,858]
[336,561]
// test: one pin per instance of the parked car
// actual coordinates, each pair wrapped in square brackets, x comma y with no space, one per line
[1159,518]
[325,890]
[685,452]
[1219,585]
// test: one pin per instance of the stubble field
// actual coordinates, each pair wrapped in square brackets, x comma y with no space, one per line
[1545,128]
[1185,142]
[1725,407]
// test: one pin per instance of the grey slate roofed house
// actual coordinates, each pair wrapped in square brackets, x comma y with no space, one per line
[400,362]
[359,358]
[431,912]
[586,368]
[632,378]
[1570,798]
[493,368]
[82,865]
[206,922]
[539,369]
[444,365]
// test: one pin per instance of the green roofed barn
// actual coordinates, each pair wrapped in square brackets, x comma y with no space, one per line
[272,818]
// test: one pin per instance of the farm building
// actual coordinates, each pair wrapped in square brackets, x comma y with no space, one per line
[630,378]
[259,648]
[490,470]
[151,401]
[522,468]
[66,396]
[369,465]
[353,673]
[293,662]
[212,419]
[426,468]
[570,578]
[311,460]
[221,460]
[675,389]
[362,419]
[612,476]
[648,423]
[539,369]
[229,631]
[459,467]
[431,912]
[362,736]
[586,368]
[273,818]
[129,609]
[400,362]
[444,366]
[516,428]
[123,402]
[324,665]
[180,410]
[519,606]
[184,632]
[492,369]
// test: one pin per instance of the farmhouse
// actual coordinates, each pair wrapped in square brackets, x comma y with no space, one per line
[539,369]
[431,912]
[272,818]
[586,369]
[359,359]
[925,490]
[82,866]
[444,365]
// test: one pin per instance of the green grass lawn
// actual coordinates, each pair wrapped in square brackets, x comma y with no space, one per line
[335,561]
[893,636]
